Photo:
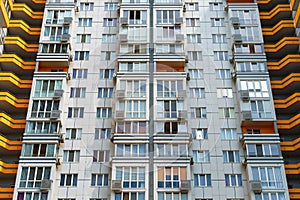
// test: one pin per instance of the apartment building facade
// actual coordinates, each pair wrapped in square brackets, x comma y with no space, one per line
[160,99]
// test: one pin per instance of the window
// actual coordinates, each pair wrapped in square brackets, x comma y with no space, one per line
[231,156]
[226,113]
[73,133]
[131,150]
[82,55]
[85,22]
[228,134]
[46,88]
[108,55]
[110,22]
[263,150]
[101,156]
[135,33]
[169,48]
[261,109]
[131,177]
[55,48]
[169,88]
[170,177]
[134,109]
[109,38]
[224,93]
[40,127]
[172,150]
[133,48]
[71,155]
[68,179]
[57,16]
[232,180]
[75,112]
[199,133]
[248,33]
[136,17]
[54,33]
[217,22]
[202,180]
[216,6]
[197,93]
[256,88]
[130,195]
[270,177]
[83,38]
[98,198]
[246,16]
[77,92]
[248,48]
[87,6]
[192,22]
[66,199]
[31,177]
[194,55]
[133,67]
[192,6]
[253,131]
[219,38]
[201,156]
[270,195]
[136,127]
[167,33]
[223,73]
[251,66]
[80,73]
[32,195]
[99,180]
[110,6]
[171,127]
[43,108]
[196,73]
[172,195]
[169,108]
[105,92]
[102,133]
[104,112]
[220,55]
[193,38]
[106,73]
[133,88]
[198,112]
[38,150]
[167,16]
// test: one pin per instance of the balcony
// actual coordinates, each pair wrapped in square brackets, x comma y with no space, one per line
[10,145]
[6,168]
[250,118]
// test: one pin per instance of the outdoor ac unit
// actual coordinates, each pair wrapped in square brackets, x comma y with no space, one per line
[244,94]
[235,21]
[185,185]
[237,37]
[123,37]
[255,186]
[45,185]
[65,37]
[179,37]
[58,161]
[55,114]
[58,94]
[123,20]
[182,114]
[61,138]
[120,114]
[67,20]
[120,93]
[181,94]
[178,20]
[116,185]
[247,115]
[186,59]
[199,135]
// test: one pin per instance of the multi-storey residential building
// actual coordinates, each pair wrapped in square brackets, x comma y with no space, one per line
[149,100]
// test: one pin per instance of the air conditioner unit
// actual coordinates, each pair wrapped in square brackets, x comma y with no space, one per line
[244,94]
[185,185]
[58,161]
[116,185]
[124,21]
[67,20]
[247,115]
[231,60]
[120,93]
[45,185]
[120,114]
[186,59]
[61,138]
[55,114]
[181,94]
[235,21]
[244,162]
[179,37]
[182,114]
[76,9]
[65,37]
[255,186]
[178,20]
[199,135]
[58,94]
[237,38]
[71,58]
[123,37]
